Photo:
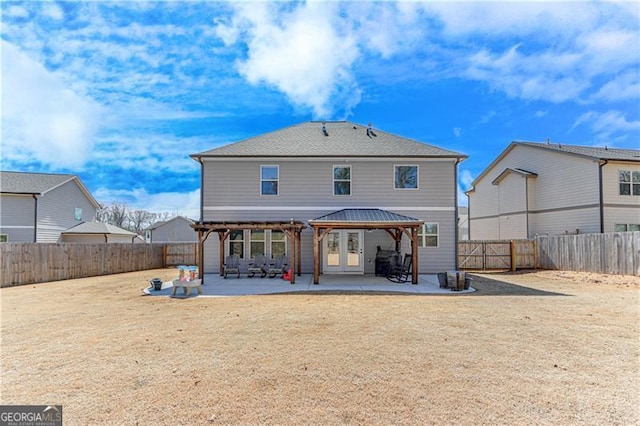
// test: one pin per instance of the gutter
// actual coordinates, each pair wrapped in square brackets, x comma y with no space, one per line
[601,164]
[35,218]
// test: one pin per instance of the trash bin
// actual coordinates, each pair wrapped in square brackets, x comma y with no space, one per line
[156,283]
[442,279]
[467,283]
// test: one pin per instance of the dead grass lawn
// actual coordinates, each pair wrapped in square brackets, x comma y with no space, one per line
[527,348]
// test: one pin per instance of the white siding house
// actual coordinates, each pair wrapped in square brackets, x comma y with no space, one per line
[175,230]
[538,188]
[313,169]
[38,207]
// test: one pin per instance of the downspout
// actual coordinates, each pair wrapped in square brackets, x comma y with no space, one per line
[35,219]
[201,189]
[526,204]
[601,164]
[455,217]
[468,215]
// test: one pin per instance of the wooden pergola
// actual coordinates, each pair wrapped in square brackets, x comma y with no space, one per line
[393,224]
[291,229]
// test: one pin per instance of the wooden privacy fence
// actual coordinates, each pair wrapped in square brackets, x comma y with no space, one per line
[29,263]
[175,254]
[610,253]
[496,254]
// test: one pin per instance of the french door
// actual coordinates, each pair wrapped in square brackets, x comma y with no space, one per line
[344,251]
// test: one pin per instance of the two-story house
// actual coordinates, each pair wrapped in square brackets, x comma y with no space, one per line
[38,207]
[337,190]
[549,188]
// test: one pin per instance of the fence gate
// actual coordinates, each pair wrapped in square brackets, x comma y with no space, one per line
[484,255]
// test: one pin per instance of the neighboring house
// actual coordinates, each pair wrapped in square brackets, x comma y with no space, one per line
[463,223]
[176,230]
[539,188]
[37,207]
[99,232]
[345,189]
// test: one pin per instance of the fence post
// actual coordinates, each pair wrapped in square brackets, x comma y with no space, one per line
[514,265]
[164,255]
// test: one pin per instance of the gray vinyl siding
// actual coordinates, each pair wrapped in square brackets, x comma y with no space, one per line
[231,191]
[561,198]
[18,217]
[177,230]
[306,183]
[56,211]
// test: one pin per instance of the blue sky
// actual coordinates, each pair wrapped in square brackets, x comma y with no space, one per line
[121,93]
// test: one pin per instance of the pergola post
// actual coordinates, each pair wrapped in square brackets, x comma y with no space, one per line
[316,256]
[292,253]
[414,255]
[299,251]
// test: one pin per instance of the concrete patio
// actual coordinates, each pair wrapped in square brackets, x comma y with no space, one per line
[215,286]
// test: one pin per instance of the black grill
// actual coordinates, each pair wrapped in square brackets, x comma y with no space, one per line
[384,260]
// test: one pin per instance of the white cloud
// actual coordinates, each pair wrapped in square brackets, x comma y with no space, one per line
[457,131]
[42,119]
[53,11]
[541,113]
[608,124]
[16,12]
[180,203]
[623,87]
[299,52]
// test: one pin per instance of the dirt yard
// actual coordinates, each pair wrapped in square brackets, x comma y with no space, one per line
[527,348]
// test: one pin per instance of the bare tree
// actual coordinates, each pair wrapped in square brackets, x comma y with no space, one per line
[119,215]
[139,220]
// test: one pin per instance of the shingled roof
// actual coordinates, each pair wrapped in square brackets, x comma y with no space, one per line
[341,139]
[597,153]
[31,183]
[39,183]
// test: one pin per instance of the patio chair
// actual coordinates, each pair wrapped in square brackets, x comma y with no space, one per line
[232,265]
[399,272]
[277,267]
[258,266]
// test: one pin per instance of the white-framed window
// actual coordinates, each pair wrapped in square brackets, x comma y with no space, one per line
[405,176]
[77,214]
[428,235]
[236,243]
[629,182]
[4,238]
[627,227]
[269,180]
[341,180]
[257,242]
[278,244]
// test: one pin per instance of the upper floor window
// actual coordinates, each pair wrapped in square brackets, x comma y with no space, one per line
[629,182]
[428,235]
[405,177]
[341,180]
[77,214]
[269,176]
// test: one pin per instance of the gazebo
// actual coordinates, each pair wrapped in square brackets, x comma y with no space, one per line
[392,223]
